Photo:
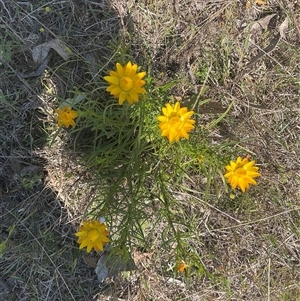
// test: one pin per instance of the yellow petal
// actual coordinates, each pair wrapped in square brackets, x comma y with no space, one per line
[120,69]
[112,79]
[122,97]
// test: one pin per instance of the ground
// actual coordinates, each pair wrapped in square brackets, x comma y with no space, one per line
[239,54]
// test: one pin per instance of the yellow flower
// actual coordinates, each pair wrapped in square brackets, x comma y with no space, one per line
[92,234]
[65,116]
[200,158]
[181,266]
[125,83]
[176,122]
[241,173]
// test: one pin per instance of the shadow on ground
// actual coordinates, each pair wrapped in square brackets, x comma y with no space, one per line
[39,256]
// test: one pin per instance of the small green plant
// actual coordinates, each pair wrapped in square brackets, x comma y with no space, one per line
[143,162]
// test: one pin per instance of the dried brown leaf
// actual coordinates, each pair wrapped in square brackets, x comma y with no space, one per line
[283,28]
[40,52]
[262,24]
[90,261]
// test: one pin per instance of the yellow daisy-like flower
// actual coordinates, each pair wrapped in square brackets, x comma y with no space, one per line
[241,173]
[92,234]
[65,116]
[181,266]
[126,83]
[176,122]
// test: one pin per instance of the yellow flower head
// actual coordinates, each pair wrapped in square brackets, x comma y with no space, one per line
[181,266]
[241,173]
[126,83]
[176,122]
[65,116]
[92,234]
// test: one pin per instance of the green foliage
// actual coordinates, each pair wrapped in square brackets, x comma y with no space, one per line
[5,243]
[142,180]
[5,50]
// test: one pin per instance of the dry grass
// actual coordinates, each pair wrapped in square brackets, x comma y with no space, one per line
[249,246]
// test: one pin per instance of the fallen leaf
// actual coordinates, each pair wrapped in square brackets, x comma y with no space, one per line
[73,101]
[40,52]
[101,270]
[176,282]
[283,28]
[262,24]
[90,261]
[110,265]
